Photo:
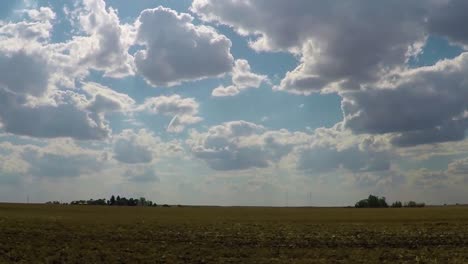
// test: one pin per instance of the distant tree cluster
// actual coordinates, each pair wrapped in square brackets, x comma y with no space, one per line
[379,202]
[372,202]
[55,203]
[399,204]
[116,201]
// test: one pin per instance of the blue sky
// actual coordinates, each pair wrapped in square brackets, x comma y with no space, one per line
[233,102]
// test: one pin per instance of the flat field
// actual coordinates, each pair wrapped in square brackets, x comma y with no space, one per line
[89,234]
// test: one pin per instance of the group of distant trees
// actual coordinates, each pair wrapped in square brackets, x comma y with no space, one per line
[380,202]
[399,204]
[116,201]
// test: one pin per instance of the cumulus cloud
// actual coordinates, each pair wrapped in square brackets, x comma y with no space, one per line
[334,149]
[418,106]
[222,91]
[183,111]
[63,117]
[458,167]
[132,148]
[57,159]
[37,26]
[24,72]
[176,50]
[240,145]
[242,78]
[141,174]
[104,99]
[35,74]
[336,44]
[142,147]
[105,45]
[57,165]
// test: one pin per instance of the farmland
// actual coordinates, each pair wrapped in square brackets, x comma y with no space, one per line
[106,234]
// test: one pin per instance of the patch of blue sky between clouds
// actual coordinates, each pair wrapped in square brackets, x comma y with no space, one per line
[435,49]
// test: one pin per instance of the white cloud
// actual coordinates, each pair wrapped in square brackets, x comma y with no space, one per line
[35,74]
[458,167]
[37,26]
[183,111]
[242,79]
[106,42]
[222,91]
[337,149]
[142,147]
[141,174]
[133,148]
[335,41]
[240,145]
[176,50]
[57,159]
[107,100]
[363,161]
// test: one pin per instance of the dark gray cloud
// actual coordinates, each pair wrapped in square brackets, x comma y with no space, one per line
[24,73]
[450,20]
[65,119]
[176,50]
[419,106]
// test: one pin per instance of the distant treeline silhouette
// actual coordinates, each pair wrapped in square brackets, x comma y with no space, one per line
[379,202]
[116,201]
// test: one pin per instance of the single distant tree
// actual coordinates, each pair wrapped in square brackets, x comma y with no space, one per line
[142,201]
[112,200]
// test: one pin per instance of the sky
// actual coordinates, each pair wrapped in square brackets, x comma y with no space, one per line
[234,102]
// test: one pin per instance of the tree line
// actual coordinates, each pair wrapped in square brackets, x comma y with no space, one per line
[374,201]
[116,201]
